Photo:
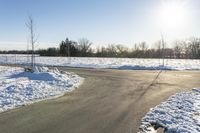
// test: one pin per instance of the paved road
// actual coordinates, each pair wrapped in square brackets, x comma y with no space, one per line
[109,101]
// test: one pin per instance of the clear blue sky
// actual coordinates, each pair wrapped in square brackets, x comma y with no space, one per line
[101,21]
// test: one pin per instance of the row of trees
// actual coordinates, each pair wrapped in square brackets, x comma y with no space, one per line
[188,49]
[82,48]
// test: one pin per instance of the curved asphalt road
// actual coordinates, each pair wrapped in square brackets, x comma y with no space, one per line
[109,101]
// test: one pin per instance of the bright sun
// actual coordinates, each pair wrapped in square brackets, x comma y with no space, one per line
[172,14]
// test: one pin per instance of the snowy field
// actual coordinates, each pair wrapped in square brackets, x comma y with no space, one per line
[18,88]
[113,63]
[179,114]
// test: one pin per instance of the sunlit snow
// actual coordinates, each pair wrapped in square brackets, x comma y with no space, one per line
[18,87]
[179,114]
[112,63]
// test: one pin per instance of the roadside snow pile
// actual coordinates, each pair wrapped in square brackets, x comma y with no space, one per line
[179,114]
[19,88]
[111,63]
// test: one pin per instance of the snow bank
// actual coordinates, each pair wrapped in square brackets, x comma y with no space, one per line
[19,88]
[111,63]
[179,114]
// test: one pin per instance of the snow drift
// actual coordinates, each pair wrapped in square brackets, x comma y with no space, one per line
[179,114]
[19,88]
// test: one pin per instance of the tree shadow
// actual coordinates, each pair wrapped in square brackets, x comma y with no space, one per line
[137,67]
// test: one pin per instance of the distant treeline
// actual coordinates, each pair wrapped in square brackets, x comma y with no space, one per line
[187,49]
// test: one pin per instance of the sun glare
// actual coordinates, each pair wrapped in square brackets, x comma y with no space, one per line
[172,14]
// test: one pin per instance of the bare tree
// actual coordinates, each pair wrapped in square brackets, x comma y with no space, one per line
[112,50]
[178,49]
[33,40]
[158,48]
[194,44]
[135,46]
[143,46]
[84,45]
[121,48]
[163,50]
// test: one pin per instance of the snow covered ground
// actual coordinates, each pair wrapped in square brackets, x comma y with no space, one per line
[114,63]
[179,114]
[19,88]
